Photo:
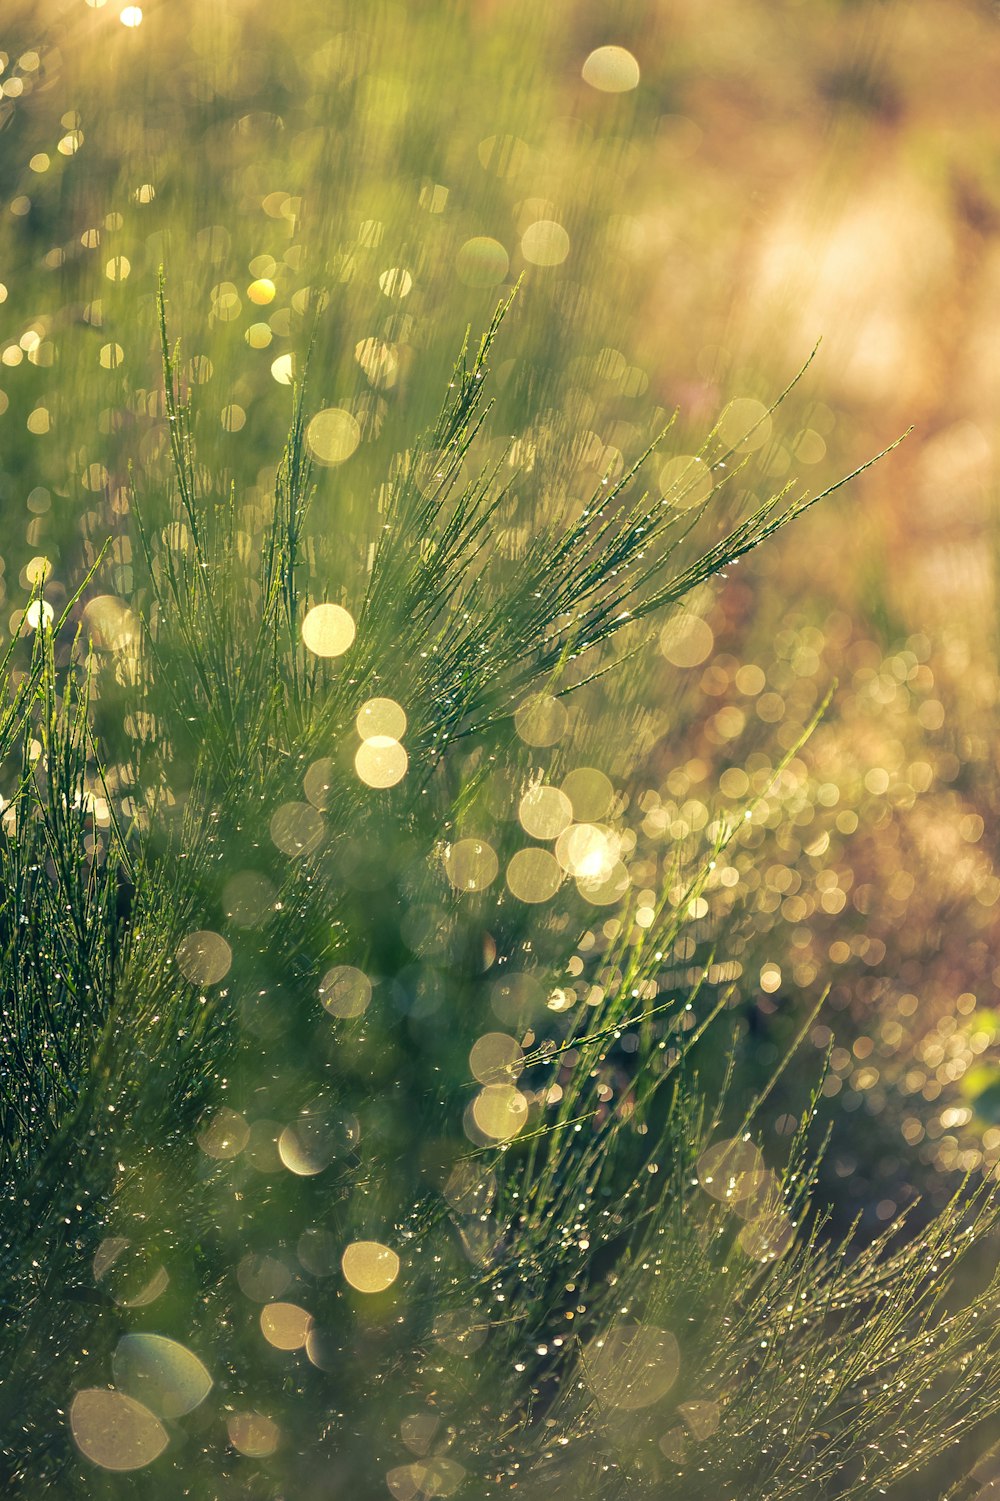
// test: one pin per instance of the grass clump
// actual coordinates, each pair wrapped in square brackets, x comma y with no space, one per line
[355,1136]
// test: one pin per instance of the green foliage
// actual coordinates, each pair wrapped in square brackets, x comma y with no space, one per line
[590,1280]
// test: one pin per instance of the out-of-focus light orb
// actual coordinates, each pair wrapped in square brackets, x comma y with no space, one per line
[612,70]
[345,991]
[262,291]
[111,623]
[500,1111]
[225,1136]
[495,1058]
[770,978]
[258,336]
[379,361]
[810,446]
[114,1431]
[131,16]
[285,1326]
[541,720]
[503,155]
[587,851]
[328,630]
[589,792]
[305,1147]
[686,640]
[233,417]
[248,898]
[418,1431]
[381,716]
[131,1286]
[381,761]
[261,1277]
[117,268]
[396,282]
[544,812]
[686,482]
[283,369]
[332,436]
[606,888]
[732,1170]
[369,1266]
[111,356]
[437,1475]
[482,262]
[545,243]
[745,425]
[471,865]
[38,614]
[317,1251]
[534,875]
[631,1366]
[169,1378]
[767,1236]
[318,782]
[702,1418]
[253,1434]
[204,957]
[297,829]
[750,679]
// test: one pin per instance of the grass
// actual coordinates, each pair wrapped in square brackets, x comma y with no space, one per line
[492,1015]
[253,1039]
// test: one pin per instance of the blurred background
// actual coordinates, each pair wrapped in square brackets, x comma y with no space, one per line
[691,198]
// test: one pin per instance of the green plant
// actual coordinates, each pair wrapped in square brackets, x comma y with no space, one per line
[272,1169]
